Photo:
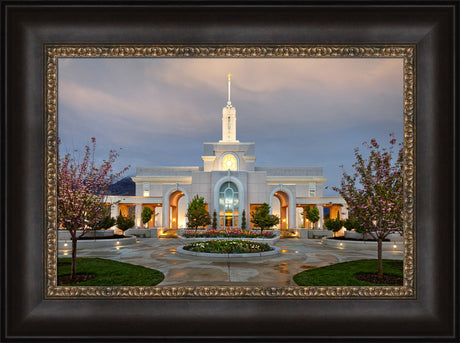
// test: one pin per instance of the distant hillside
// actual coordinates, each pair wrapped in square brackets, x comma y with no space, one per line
[125,186]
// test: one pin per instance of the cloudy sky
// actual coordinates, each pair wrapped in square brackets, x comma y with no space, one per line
[298,111]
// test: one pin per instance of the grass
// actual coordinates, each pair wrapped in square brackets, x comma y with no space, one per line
[111,273]
[343,274]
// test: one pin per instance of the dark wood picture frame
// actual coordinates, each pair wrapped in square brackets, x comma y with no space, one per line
[26,314]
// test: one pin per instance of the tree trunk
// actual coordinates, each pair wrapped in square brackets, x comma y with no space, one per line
[73,273]
[379,258]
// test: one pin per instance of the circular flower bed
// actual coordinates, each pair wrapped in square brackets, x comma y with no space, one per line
[228,247]
[231,233]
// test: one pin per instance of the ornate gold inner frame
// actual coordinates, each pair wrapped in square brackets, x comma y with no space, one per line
[54,52]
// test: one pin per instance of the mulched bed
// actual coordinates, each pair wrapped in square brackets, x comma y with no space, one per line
[65,279]
[387,279]
[357,240]
[84,238]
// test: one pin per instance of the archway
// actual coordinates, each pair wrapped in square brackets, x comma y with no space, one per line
[174,199]
[174,217]
[229,209]
[282,207]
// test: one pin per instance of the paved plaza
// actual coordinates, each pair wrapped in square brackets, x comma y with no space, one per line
[296,255]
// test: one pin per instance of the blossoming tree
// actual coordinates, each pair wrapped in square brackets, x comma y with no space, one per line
[82,190]
[374,192]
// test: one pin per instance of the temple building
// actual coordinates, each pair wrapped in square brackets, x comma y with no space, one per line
[230,182]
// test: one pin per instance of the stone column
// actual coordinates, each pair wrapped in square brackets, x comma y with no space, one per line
[321,216]
[158,217]
[114,210]
[292,216]
[138,217]
[165,216]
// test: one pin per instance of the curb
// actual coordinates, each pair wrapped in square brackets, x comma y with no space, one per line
[276,251]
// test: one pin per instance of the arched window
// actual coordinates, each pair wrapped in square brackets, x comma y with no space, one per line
[229,162]
[228,205]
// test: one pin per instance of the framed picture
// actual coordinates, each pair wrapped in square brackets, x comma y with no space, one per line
[47,51]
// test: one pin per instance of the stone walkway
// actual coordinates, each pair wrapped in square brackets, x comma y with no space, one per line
[296,255]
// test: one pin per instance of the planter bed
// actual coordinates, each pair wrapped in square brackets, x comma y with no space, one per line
[65,235]
[356,240]
[97,243]
[220,234]
[98,238]
[276,251]
[224,249]
[356,244]
[258,240]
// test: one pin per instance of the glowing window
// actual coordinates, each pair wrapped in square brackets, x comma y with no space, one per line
[229,162]
[228,205]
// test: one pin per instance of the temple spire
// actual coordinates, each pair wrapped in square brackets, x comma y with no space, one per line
[229,103]
[229,117]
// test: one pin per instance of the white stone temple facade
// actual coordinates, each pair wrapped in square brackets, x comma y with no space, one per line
[230,182]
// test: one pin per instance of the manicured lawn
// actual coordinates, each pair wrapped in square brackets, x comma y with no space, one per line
[110,273]
[343,274]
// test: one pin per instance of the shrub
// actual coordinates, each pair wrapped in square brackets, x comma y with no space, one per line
[334,224]
[351,223]
[124,223]
[232,233]
[146,214]
[105,223]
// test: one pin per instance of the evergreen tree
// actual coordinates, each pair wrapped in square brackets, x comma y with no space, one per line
[197,215]
[214,220]
[124,223]
[243,220]
[262,218]
[105,223]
